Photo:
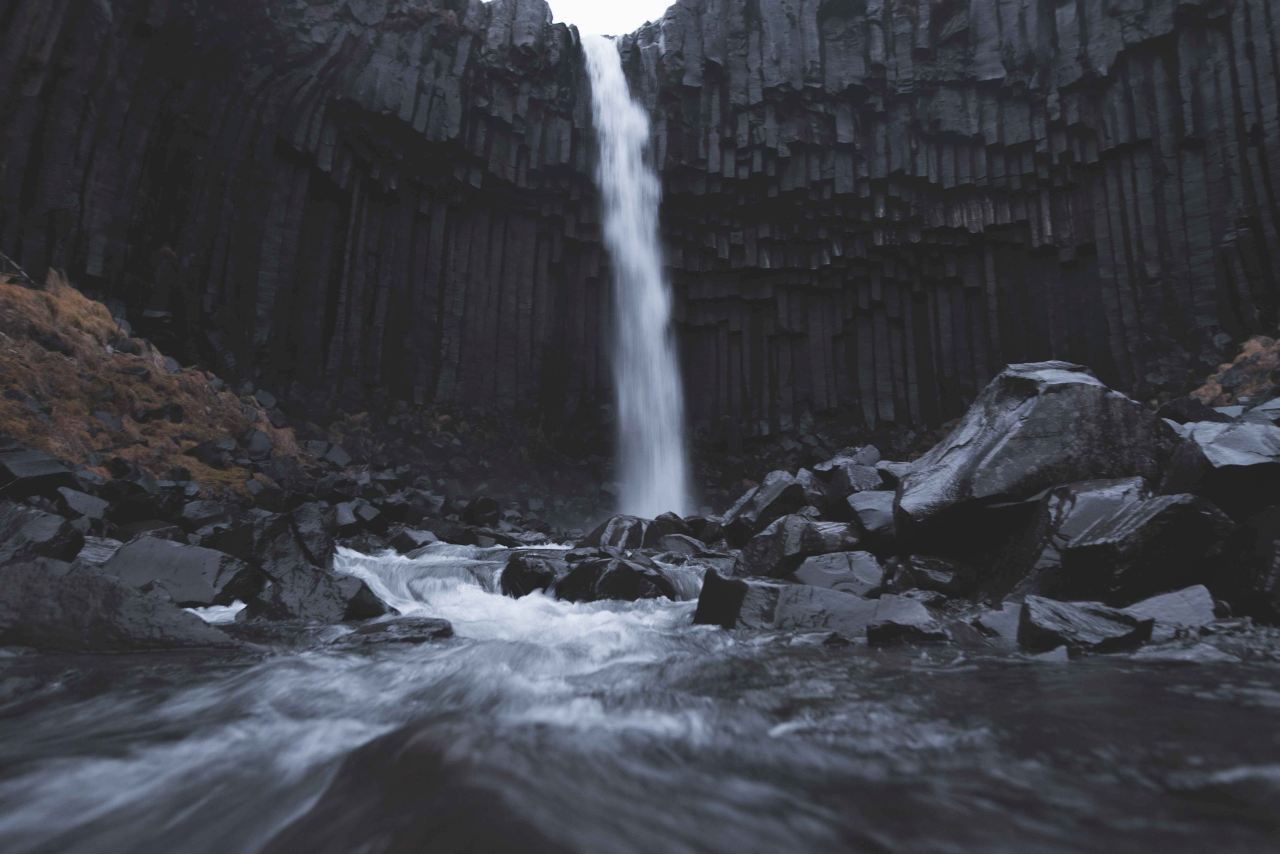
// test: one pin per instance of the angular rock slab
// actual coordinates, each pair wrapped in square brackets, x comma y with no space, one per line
[859,573]
[27,533]
[900,620]
[1181,610]
[736,603]
[781,548]
[1237,466]
[1034,427]
[55,606]
[189,575]
[1046,625]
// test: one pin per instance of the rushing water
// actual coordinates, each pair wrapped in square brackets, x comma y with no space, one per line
[624,728]
[651,438]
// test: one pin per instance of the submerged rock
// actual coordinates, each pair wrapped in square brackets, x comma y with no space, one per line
[781,548]
[1034,427]
[614,578]
[1081,626]
[49,605]
[530,573]
[411,630]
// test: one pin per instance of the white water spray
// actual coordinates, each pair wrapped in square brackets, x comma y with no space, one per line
[654,465]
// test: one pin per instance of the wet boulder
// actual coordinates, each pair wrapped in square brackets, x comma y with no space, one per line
[310,594]
[1000,626]
[859,573]
[779,495]
[408,540]
[191,576]
[847,478]
[1236,466]
[1033,563]
[1147,547]
[735,602]
[780,549]
[80,505]
[900,620]
[801,608]
[1046,624]
[873,512]
[1180,611]
[614,578]
[1034,427]
[314,524]
[617,532]
[27,533]
[527,573]
[54,606]
[482,512]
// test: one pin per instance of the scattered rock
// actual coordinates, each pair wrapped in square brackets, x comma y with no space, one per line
[25,472]
[1082,626]
[27,533]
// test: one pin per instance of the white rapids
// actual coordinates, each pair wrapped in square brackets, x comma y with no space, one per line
[651,420]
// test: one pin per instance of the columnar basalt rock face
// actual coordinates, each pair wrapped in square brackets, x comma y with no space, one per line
[871,205]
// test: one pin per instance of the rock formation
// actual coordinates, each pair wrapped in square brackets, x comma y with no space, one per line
[871,205]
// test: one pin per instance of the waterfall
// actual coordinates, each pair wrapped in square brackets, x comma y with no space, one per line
[650,398]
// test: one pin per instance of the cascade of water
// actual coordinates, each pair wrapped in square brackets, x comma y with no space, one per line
[650,397]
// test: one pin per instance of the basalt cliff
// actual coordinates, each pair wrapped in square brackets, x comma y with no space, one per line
[871,206]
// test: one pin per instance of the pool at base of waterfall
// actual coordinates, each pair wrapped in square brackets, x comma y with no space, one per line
[549,726]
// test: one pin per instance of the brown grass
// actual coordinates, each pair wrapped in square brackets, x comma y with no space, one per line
[56,354]
[1254,374]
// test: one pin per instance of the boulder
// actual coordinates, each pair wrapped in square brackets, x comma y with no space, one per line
[901,620]
[527,573]
[801,608]
[1180,611]
[618,532]
[721,601]
[1033,563]
[1034,427]
[482,512]
[25,472]
[409,540]
[859,573]
[1000,625]
[1264,413]
[308,593]
[98,550]
[1187,410]
[779,550]
[918,572]
[191,576]
[1236,466]
[314,525]
[407,631]
[200,514]
[666,525]
[1147,547]
[614,579]
[62,607]
[1080,626]
[679,544]
[27,533]
[76,504]
[848,478]
[873,512]
[779,495]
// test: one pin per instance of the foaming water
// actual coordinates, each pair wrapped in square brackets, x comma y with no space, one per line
[612,727]
[651,432]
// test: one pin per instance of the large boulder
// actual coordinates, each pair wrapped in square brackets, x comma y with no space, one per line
[859,573]
[1034,427]
[62,607]
[781,548]
[614,578]
[191,576]
[617,532]
[527,573]
[737,603]
[873,511]
[1033,563]
[1236,466]
[1080,626]
[1147,547]
[27,533]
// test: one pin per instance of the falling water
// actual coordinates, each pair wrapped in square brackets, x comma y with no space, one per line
[650,398]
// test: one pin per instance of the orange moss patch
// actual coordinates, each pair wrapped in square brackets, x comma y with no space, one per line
[59,368]
[1255,373]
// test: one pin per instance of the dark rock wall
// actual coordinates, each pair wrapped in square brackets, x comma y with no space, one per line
[871,205]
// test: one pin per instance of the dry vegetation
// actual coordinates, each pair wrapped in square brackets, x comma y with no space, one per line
[1255,374]
[61,367]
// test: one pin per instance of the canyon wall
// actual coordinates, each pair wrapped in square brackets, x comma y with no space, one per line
[871,205]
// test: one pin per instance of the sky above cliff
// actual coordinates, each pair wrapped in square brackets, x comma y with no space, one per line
[608,17]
